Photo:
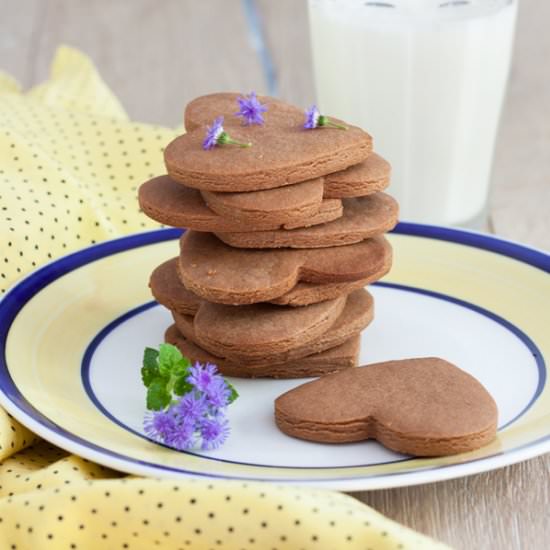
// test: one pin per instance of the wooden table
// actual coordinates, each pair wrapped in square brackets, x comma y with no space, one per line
[158,55]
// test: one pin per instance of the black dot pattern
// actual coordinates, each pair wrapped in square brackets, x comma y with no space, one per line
[71,162]
[95,511]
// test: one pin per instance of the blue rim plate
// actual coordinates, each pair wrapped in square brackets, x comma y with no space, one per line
[481,301]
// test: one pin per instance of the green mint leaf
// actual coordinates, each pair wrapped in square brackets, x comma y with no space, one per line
[150,369]
[181,368]
[234,392]
[169,357]
[157,396]
[181,387]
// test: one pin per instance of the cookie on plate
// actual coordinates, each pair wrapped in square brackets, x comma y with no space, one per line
[423,407]
[332,360]
[263,334]
[363,217]
[172,203]
[235,276]
[169,291]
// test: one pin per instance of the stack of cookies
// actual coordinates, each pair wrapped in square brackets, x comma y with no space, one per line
[282,237]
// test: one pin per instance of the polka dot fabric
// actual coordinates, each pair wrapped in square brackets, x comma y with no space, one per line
[70,164]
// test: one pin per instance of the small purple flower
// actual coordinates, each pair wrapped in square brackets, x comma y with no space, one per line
[192,405]
[218,393]
[183,437]
[160,425]
[214,432]
[201,376]
[213,134]
[216,135]
[314,119]
[251,109]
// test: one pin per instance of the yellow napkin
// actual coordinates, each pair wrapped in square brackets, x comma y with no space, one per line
[70,164]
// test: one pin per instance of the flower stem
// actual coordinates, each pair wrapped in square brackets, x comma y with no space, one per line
[225,139]
[325,121]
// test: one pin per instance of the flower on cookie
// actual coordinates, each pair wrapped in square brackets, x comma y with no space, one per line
[251,109]
[216,135]
[314,119]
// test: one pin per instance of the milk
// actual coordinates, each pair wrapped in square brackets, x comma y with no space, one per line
[428,83]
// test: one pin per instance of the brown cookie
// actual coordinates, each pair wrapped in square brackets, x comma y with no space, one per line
[363,217]
[201,111]
[241,331]
[259,330]
[226,275]
[369,176]
[333,360]
[169,291]
[279,156]
[172,203]
[423,407]
[292,206]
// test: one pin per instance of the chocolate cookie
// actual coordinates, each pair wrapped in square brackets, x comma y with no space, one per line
[172,203]
[369,176]
[363,217]
[424,407]
[279,156]
[262,334]
[292,206]
[258,330]
[226,275]
[201,111]
[333,360]
[169,291]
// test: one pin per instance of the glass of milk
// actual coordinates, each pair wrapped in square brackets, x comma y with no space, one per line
[427,79]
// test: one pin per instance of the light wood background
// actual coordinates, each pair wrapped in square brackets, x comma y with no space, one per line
[157,55]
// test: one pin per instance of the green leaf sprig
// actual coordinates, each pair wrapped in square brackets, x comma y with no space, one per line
[164,373]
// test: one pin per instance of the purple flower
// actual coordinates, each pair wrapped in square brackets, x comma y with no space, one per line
[213,134]
[160,425]
[192,405]
[201,376]
[218,393]
[214,432]
[251,109]
[216,135]
[314,119]
[183,437]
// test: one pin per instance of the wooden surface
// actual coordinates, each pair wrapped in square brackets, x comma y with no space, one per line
[158,55]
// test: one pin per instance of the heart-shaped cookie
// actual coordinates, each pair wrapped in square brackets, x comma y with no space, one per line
[258,330]
[172,203]
[201,111]
[333,360]
[369,176]
[289,207]
[169,291]
[226,275]
[280,155]
[363,217]
[263,334]
[423,407]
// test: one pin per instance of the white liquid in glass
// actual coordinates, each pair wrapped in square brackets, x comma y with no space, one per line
[427,80]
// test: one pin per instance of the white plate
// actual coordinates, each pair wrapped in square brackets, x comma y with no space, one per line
[73,335]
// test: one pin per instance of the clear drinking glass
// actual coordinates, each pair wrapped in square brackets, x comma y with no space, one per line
[427,79]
